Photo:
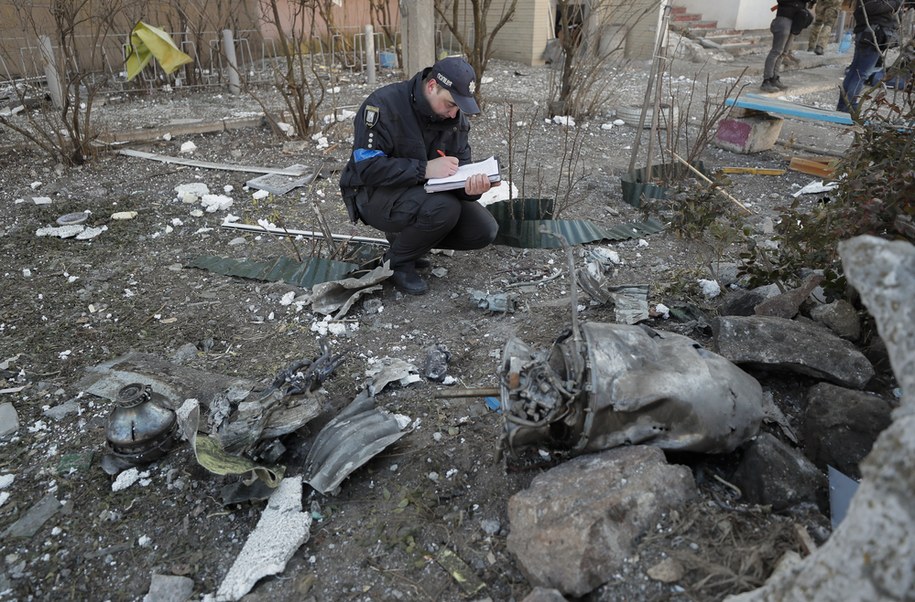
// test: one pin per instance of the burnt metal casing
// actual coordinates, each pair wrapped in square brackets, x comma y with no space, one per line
[618,384]
[142,427]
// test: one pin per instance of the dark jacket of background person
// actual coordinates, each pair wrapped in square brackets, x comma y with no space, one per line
[791,9]
[877,13]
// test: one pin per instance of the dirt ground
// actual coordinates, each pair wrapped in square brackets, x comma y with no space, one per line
[68,305]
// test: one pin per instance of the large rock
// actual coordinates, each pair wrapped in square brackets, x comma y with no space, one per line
[791,345]
[776,474]
[740,302]
[841,425]
[869,556]
[169,588]
[840,317]
[576,524]
[787,304]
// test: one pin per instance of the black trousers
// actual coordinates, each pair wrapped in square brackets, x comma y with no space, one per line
[423,221]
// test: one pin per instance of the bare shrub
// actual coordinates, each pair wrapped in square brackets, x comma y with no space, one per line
[61,122]
[475,37]
[591,42]
[295,72]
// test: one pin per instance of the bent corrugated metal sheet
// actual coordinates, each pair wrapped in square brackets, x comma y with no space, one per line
[351,439]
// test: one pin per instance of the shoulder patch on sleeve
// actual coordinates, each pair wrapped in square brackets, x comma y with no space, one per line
[371,115]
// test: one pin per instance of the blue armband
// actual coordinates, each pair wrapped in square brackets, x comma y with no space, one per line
[361,154]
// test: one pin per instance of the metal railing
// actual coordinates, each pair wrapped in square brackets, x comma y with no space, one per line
[259,60]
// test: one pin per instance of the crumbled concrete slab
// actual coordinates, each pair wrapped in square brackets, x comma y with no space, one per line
[279,183]
[169,588]
[283,527]
[9,420]
[60,231]
[34,518]
[61,411]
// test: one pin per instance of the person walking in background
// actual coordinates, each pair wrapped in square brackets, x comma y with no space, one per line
[876,31]
[826,15]
[791,18]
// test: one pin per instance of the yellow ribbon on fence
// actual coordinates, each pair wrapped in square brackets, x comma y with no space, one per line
[147,42]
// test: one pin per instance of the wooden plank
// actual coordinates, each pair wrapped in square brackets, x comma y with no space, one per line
[757,171]
[757,102]
[814,167]
[296,171]
[180,129]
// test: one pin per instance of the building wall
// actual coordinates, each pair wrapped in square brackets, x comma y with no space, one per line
[638,20]
[525,38]
[732,14]
[250,19]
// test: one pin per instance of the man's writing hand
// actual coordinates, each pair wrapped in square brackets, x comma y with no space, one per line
[478,184]
[441,167]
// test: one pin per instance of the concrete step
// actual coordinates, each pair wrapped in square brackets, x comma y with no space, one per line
[739,43]
[703,25]
[692,22]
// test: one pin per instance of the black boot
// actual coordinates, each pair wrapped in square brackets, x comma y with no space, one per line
[768,86]
[409,282]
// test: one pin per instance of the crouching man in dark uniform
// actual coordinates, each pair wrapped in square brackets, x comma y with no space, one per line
[405,134]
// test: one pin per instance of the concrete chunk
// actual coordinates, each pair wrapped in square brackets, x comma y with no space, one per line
[34,518]
[748,134]
[9,420]
[283,527]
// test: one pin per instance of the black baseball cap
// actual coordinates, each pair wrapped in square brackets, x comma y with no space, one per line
[456,75]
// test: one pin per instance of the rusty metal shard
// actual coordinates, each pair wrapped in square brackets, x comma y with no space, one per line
[351,439]
[616,384]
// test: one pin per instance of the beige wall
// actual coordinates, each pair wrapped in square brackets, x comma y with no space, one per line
[737,14]
[525,37]
[19,31]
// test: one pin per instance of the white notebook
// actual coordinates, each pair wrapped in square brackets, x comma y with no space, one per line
[488,166]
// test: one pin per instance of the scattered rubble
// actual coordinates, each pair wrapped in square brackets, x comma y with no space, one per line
[444,535]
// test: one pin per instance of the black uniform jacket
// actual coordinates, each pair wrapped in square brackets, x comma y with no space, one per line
[790,8]
[874,13]
[396,134]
